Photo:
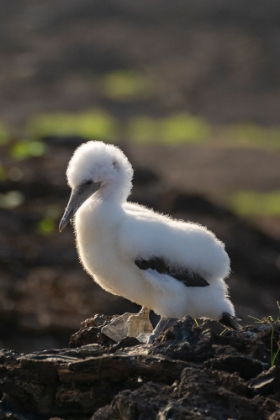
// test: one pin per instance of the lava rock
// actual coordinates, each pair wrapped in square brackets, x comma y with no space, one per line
[189,372]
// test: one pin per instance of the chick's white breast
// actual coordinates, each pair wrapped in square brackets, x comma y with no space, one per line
[144,234]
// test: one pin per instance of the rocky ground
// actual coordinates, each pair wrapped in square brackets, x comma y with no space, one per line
[189,372]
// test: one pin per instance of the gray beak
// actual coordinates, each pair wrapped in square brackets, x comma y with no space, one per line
[78,196]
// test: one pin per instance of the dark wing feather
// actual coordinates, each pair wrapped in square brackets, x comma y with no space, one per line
[181,274]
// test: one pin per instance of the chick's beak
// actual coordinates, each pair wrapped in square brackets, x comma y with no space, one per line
[78,196]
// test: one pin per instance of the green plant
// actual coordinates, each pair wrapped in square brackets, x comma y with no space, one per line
[24,149]
[270,320]
[172,129]
[93,124]
[196,322]
[224,330]
[49,222]
[125,85]
[253,203]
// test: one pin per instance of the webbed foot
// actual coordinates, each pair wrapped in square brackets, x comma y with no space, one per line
[161,326]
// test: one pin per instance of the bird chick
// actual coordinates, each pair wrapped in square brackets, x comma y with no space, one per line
[171,266]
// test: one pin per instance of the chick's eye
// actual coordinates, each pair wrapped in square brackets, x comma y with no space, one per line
[88,182]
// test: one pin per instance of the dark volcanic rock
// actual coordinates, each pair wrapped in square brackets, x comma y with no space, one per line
[187,373]
[90,332]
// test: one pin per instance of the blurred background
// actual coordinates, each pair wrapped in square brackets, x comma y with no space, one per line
[190,90]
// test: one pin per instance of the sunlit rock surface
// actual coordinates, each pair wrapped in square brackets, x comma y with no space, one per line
[189,372]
